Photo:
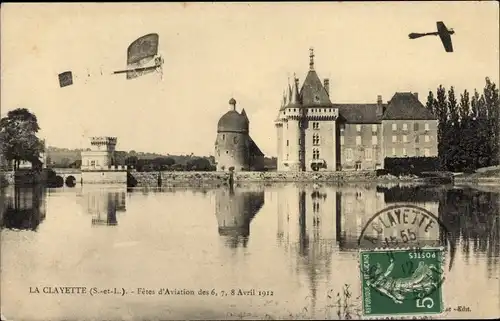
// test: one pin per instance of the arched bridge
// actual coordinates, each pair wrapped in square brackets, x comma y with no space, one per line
[66,176]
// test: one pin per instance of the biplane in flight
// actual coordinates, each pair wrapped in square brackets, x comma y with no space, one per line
[142,59]
[443,33]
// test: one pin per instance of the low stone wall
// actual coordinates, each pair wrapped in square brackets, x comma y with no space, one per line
[28,177]
[6,178]
[104,177]
[178,179]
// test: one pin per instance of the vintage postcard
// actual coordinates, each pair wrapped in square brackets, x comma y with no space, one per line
[254,161]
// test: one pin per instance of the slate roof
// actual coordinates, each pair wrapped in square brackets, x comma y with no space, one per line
[358,113]
[232,121]
[313,93]
[254,149]
[406,106]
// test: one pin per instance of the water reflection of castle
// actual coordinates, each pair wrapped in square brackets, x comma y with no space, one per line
[22,208]
[315,222]
[234,210]
[330,214]
[103,205]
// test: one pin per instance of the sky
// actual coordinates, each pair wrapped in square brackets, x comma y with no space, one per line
[215,51]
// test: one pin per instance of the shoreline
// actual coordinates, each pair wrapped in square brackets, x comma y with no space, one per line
[172,179]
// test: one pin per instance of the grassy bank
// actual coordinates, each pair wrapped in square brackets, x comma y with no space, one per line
[487,175]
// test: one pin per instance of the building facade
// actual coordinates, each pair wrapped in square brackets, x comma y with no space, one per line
[315,134]
[101,154]
[234,148]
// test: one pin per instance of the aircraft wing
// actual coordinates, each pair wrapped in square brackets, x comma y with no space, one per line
[445,36]
[140,53]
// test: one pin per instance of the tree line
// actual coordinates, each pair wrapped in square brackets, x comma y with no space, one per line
[469,127]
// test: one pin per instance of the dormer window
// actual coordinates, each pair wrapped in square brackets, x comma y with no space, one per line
[316,98]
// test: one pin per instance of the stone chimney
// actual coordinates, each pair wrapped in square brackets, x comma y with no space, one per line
[416,95]
[380,107]
[326,84]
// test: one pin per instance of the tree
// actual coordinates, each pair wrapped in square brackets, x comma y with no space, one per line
[492,106]
[441,111]
[199,164]
[131,161]
[452,133]
[19,141]
[431,102]
[466,142]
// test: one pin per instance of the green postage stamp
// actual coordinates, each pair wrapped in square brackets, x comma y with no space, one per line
[402,281]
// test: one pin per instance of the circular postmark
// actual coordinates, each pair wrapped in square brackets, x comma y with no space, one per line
[405,226]
[402,252]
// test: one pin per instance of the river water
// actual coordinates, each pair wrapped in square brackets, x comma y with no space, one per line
[296,244]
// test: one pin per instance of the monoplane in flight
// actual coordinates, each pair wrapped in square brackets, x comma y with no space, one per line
[443,33]
[142,59]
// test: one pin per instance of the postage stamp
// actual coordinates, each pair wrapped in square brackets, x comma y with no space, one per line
[399,282]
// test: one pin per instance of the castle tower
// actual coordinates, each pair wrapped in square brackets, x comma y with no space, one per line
[306,126]
[101,154]
[232,146]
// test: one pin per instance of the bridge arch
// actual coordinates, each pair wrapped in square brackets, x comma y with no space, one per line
[70,181]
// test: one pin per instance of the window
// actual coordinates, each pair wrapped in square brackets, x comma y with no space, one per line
[341,140]
[374,128]
[394,127]
[348,154]
[417,152]
[405,126]
[427,152]
[287,142]
[315,125]
[426,126]
[223,136]
[417,139]
[374,140]
[358,140]
[92,163]
[405,139]
[368,153]
[427,139]
[315,153]
[358,128]
[415,127]
[316,139]
[394,138]
[404,152]
[393,151]
[300,141]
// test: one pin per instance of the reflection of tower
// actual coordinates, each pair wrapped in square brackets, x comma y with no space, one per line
[356,206]
[24,208]
[359,205]
[234,210]
[103,205]
[307,217]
